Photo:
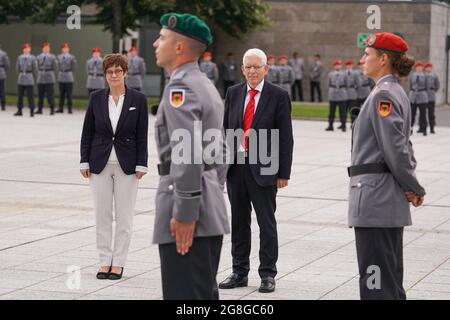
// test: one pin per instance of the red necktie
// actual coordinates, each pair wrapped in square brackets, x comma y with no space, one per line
[248,116]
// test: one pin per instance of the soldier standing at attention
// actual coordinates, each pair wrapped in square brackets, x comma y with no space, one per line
[363,86]
[47,68]
[382,173]
[136,70]
[337,96]
[433,87]
[190,215]
[4,66]
[26,67]
[287,75]
[298,66]
[351,89]
[66,68]
[94,70]
[209,68]
[315,73]
[228,72]
[273,75]
[419,97]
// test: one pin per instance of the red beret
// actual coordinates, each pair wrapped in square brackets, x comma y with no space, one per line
[96,50]
[132,49]
[45,44]
[65,45]
[26,45]
[207,54]
[337,62]
[387,41]
[270,56]
[348,62]
[283,56]
[418,64]
[428,64]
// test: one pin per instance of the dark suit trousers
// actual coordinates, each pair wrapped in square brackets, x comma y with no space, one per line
[297,84]
[30,95]
[2,93]
[65,91]
[192,276]
[381,247]
[46,90]
[315,85]
[243,192]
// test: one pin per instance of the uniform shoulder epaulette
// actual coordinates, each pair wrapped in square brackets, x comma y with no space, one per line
[179,75]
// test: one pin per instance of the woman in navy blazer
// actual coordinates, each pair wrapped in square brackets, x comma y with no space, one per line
[114,158]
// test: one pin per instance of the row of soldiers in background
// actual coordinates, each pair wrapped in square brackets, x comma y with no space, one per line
[347,90]
[423,85]
[48,69]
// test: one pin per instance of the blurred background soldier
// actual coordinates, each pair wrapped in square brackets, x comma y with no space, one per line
[136,70]
[47,67]
[363,85]
[337,95]
[273,75]
[351,89]
[66,67]
[228,72]
[209,68]
[4,66]
[433,87]
[26,67]
[287,75]
[418,97]
[298,66]
[94,69]
[315,73]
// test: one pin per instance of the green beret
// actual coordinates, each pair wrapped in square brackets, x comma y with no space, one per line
[187,25]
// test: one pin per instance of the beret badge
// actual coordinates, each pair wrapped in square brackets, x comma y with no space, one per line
[172,22]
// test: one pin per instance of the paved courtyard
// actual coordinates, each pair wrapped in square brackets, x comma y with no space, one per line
[47,224]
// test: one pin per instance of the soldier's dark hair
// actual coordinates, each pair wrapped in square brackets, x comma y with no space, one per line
[115,60]
[401,63]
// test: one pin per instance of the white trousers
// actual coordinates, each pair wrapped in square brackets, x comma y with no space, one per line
[113,186]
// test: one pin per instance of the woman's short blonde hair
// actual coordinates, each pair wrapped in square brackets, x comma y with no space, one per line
[115,60]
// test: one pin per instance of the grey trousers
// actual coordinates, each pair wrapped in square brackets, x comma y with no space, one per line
[113,187]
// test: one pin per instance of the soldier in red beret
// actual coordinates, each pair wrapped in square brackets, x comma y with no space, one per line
[337,96]
[383,180]
[287,74]
[433,86]
[418,97]
[273,75]
[26,67]
[66,69]
[94,68]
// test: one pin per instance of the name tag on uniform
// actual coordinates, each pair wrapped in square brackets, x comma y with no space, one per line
[177,97]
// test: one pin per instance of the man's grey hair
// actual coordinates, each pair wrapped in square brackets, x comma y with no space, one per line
[255,52]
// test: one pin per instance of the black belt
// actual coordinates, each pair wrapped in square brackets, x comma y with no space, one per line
[66,70]
[366,85]
[164,168]
[26,72]
[135,74]
[367,168]
[45,70]
[97,75]
[420,90]
[340,87]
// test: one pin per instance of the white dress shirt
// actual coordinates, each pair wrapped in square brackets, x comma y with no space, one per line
[259,87]
[114,114]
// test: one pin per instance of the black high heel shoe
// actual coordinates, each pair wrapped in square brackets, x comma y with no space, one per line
[115,276]
[103,275]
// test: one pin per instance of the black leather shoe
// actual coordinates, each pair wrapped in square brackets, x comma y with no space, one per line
[344,129]
[234,281]
[103,275]
[38,112]
[432,131]
[59,111]
[340,127]
[115,276]
[330,128]
[267,285]
[18,114]
[52,112]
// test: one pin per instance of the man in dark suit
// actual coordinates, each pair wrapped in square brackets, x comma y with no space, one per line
[254,106]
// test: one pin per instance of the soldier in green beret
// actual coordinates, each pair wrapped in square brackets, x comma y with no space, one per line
[190,213]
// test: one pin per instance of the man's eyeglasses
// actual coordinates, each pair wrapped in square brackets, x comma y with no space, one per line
[118,72]
[256,68]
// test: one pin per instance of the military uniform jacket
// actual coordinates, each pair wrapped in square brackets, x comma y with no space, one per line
[228,70]
[287,75]
[418,88]
[351,84]
[94,70]
[315,71]
[381,135]
[211,71]
[191,191]
[136,71]
[337,86]
[298,67]
[433,85]
[66,67]
[47,67]
[4,64]
[362,84]
[273,75]
[26,67]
